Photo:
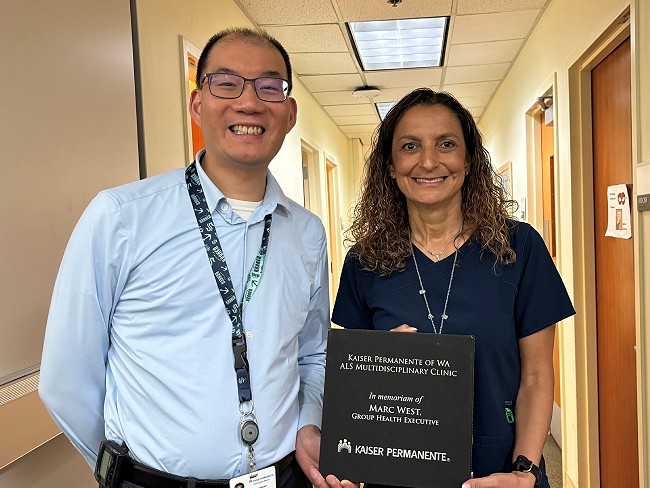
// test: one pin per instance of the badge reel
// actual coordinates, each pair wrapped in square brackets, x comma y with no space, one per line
[249,430]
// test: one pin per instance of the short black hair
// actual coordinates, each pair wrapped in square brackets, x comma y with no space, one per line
[253,36]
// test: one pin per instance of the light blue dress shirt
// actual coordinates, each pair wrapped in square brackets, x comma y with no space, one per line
[138,341]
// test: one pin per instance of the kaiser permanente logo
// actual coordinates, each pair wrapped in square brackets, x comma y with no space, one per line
[345,445]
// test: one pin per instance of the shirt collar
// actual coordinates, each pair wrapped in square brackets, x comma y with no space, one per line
[273,195]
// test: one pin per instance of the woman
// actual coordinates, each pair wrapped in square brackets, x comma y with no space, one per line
[432,217]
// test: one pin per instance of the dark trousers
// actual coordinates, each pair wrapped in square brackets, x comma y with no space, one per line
[291,477]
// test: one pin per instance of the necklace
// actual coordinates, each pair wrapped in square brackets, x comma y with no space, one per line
[423,292]
[436,255]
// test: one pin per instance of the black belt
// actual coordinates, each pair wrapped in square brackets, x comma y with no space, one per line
[140,474]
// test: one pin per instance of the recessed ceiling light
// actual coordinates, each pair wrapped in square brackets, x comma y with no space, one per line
[398,44]
[383,108]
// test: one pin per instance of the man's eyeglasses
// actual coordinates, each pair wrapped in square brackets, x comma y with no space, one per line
[228,85]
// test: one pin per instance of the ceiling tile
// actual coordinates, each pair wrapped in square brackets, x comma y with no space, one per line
[325,63]
[470,74]
[493,27]
[387,95]
[484,52]
[319,83]
[323,38]
[474,102]
[277,12]
[485,6]
[399,78]
[356,120]
[358,128]
[360,10]
[345,110]
[338,98]
[472,89]
[395,94]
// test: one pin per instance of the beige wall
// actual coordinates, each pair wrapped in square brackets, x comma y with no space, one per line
[566,33]
[67,130]
[55,464]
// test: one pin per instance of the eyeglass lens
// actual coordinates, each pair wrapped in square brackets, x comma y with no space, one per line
[227,85]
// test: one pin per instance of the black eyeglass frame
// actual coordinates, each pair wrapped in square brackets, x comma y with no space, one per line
[286,86]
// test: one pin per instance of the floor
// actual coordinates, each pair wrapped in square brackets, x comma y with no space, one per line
[553,457]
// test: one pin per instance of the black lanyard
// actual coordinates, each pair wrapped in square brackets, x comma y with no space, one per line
[222,276]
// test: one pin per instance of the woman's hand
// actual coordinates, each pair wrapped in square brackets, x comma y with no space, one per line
[515,479]
[404,328]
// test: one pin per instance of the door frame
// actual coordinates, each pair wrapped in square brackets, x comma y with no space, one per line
[532,212]
[334,231]
[584,253]
[314,176]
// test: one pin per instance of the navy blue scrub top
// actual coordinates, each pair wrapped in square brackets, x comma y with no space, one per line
[497,305]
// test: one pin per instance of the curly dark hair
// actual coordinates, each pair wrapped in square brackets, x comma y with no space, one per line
[380,228]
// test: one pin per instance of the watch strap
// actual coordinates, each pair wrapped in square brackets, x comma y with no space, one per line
[525,465]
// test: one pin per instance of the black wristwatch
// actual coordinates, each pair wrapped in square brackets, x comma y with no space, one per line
[525,465]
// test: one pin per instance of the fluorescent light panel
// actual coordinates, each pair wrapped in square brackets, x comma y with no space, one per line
[383,108]
[396,44]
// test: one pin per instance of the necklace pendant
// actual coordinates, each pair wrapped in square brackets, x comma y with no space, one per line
[436,256]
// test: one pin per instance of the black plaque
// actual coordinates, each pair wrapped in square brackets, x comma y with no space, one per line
[398,408]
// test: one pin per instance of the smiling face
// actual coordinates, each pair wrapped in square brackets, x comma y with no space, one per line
[243,133]
[429,157]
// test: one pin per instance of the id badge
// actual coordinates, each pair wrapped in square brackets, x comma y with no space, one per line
[263,478]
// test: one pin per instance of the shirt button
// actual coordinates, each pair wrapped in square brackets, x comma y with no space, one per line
[224,207]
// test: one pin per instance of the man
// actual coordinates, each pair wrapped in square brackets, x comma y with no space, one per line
[189,317]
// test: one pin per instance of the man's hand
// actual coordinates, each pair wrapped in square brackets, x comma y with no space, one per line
[308,457]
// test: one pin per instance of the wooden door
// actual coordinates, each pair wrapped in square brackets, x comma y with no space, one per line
[612,148]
